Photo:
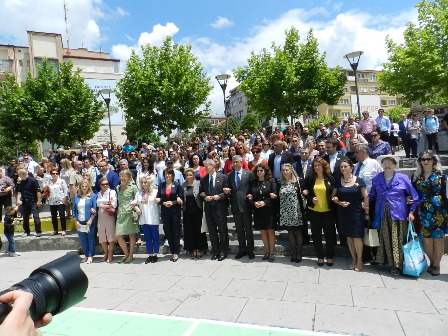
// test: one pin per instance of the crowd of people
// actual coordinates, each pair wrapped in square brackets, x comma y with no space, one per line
[341,179]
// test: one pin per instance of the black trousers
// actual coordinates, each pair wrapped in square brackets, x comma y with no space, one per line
[323,221]
[432,141]
[217,231]
[27,210]
[384,136]
[5,201]
[171,226]
[244,231]
[54,209]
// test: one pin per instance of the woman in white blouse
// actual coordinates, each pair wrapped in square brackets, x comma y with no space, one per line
[146,207]
[107,199]
[57,200]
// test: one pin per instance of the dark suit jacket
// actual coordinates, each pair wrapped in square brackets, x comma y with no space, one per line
[176,191]
[287,157]
[221,182]
[111,176]
[337,166]
[238,196]
[299,170]
[309,185]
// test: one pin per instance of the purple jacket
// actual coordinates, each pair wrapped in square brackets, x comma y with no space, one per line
[395,193]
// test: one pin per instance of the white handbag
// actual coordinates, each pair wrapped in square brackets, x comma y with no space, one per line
[371,237]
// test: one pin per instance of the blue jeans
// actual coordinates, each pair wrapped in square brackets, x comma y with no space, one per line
[151,233]
[11,246]
[88,240]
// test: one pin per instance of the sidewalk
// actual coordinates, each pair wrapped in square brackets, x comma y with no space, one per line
[279,294]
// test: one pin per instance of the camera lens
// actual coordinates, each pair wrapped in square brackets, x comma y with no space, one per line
[55,286]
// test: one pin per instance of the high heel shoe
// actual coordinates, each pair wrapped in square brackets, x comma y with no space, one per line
[265,257]
[320,263]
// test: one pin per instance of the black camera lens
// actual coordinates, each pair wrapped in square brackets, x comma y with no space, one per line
[55,286]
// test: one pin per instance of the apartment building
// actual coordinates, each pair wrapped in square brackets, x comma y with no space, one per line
[99,70]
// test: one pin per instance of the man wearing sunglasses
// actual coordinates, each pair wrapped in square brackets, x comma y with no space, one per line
[111,176]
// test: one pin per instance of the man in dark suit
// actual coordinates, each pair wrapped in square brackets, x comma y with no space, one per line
[278,158]
[84,153]
[239,180]
[211,189]
[111,176]
[304,165]
[106,151]
[333,158]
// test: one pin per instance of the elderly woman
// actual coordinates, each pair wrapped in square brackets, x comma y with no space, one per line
[170,196]
[106,201]
[431,188]
[292,216]
[389,191]
[195,240]
[318,188]
[56,201]
[349,194]
[126,224]
[146,207]
[353,135]
[378,147]
[84,212]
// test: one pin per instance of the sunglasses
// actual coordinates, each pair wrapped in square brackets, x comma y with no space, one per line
[374,135]
[54,174]
[104,184]
[260,171]
[425,159]
[295,141]
[255,152]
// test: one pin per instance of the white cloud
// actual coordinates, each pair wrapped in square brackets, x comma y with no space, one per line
[17,17]
[221,22]
[120,12]
[158,34]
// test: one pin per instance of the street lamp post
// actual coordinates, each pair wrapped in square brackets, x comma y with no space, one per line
[353,59]
[107,101]
[222,80]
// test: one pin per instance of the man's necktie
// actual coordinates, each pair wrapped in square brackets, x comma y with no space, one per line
[238,179]
[211,187]
[358,169]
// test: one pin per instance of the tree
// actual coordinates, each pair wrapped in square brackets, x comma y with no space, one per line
[250,121]
[58,106]
[396,112]
[233,124]
[290,81]
[164,89]
[417,68]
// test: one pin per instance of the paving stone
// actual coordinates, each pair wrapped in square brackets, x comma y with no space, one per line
[439,299]
[278,314]
[319,293]
[152,282]
[392,299]
[368,277]
[239,272]
[211,307]
[201,285]
[102,298]
[256,289]
[191,269]
[423,324]
[357,321]
[294,273]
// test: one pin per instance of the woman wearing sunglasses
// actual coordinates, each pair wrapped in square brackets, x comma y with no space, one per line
[257,158]
[107,199]
[56,200]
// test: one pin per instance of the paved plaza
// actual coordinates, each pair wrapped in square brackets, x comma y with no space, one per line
[204,297]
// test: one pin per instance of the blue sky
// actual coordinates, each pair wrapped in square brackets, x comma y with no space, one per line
[222,33]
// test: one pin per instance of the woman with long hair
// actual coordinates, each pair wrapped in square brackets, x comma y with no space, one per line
[195,240]
[430,184]
[262,192]
[228,163]
[56,200]
[84,212]
[292,216]
[390,191]
[257,159]
[106,199]
[196,164]
[126,225]
[147,170]
[318,188]
[160,161]
[349,194]
[67,170]
[148,211]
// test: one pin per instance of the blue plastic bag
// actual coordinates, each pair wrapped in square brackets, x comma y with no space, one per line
[414,260]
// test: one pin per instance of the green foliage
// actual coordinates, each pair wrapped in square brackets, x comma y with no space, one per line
[312,125]
[250,121]
[234,126]
[417,68]
[396,112]
[203,126]
[57,106]
[291,80]
[163,90]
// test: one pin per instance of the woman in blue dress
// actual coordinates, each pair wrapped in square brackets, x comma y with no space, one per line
[430,184]
[349,194]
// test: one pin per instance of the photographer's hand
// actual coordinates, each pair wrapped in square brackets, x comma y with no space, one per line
[19,322]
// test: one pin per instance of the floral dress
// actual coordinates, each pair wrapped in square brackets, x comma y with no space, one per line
[432,210]
[290,210]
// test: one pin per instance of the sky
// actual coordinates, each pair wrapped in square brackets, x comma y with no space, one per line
[222,33]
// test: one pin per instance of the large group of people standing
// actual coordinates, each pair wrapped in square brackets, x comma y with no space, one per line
[340,180]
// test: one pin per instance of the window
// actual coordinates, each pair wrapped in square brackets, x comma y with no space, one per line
[373,89]
[351,73]
[116,67]
[334,114]
[360,75]
[363,89]
[353,88]
[38,61]
[373,77]
[345,101]
[345,114]
[345,88]
[392,102]
[383,102]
